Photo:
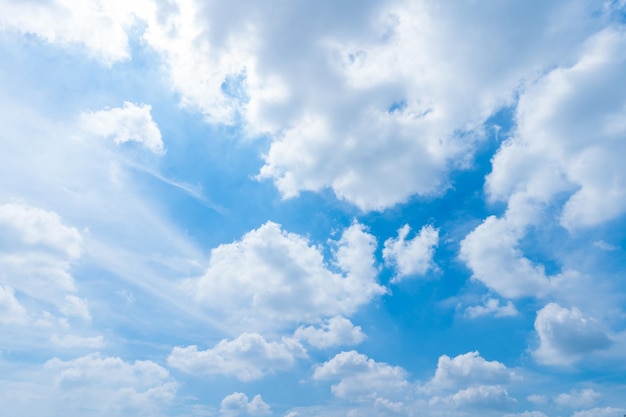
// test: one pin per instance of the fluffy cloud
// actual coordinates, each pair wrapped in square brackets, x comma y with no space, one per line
[99,27]
[493,307]
[271,278]
[130,123]
[247,357]
[336,331]
[237,404]
[577,398]
[361,378]
[466,370]
[95,384]
[569,131]
[566,335]
[413,256]
[492,397]
[37,254]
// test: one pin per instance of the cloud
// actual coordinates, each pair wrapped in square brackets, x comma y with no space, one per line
[493,397]
[466,370]
[411,257]
[98,27]
[247,357]
[272,278]
[569,130]
[335,331]
[358,83]
[74,341]
[11,311]
[577,398]
[493,307]
[130,123]
[37,253]
[237,404]
[94,384]
[361,378]
[527,414]
[600,412]
[566,336]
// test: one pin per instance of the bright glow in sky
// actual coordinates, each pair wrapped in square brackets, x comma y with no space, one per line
[312,208]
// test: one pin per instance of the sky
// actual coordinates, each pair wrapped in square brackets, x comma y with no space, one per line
[312,208]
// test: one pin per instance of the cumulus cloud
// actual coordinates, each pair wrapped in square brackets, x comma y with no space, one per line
[247,357]
[566,335]
[94,384]
[493,307]
[577,398]
[237,404]
[362,378]
[334,332]
[492,397]
[98,27]
[527,414]
[37,252]
[271,278]
[413,256]
[129,123]
[568,136]
[355,117]
[465,370]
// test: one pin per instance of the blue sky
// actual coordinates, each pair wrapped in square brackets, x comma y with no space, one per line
[298,209]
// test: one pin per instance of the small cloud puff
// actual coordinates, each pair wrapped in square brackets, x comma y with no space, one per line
[130,123]
[411,257]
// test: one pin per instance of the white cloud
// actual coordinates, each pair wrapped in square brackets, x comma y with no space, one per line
[275,278]
[493,307]
[93,383]
[75,341]
[413,256]
[11,311]
[361,378]
[600,412]
[37,255]
[569,135]
[527,414]
[130,123]
[491,252]
[97,26]
[466,370]
[335,331]
[247,357]
[577,398]
[341,100]
[492,397]
[566,335]
[537,399]
[237,404]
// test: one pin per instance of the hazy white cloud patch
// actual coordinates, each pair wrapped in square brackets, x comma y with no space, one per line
[71,341]
[129,123]
[335,331]
[276,278]
[578,398]
[489,397]
[492,307]
[411,257]
[11,311]
[248,357]
[600,412]
[94,383]
[237,404]
[566,336]
[37,253]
